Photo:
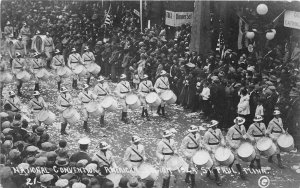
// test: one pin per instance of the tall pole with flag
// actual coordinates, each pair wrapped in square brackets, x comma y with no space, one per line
[141,14]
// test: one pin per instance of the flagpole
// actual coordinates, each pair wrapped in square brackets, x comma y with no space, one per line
[141,14]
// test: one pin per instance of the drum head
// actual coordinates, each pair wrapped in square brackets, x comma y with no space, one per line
[174,163]
[78,69]
[131,99]
[69,113]
[264,143]
[245,150]
[91,107]
[145,170]
[43,115]
[167,95]
[285,140]
[151,97]
[222,153]
[201,157]
[107,102]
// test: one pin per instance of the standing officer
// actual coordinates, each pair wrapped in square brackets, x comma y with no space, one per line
[14,101]
[18,65]
[86,96]
[190,145]
[104,158]
[64,101]
[73,61]
[256,131]
[88,58]
[274,130]
[134,154]
[19,46]
[213,138]
[49,48]
[25,34]
[166,148]
[37,103]
[145,88]
[123,89]
[234,136]
[160,86]
[102,90]
[36,65]
[58,62]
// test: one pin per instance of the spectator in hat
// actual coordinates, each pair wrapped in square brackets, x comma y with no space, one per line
[62,150]
[82,154]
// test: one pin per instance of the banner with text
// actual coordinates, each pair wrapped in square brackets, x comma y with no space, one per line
[292,19]
[178,18]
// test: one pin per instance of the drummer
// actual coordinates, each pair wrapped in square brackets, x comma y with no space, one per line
[190,145]
[104,158]
[122,90]
[18,65]
[36,65]
[14,101]
[213,138]
[86,96]
[102,89]
[88,58]
[19,46]
[134,154]
[274,130]
[49,48]
[64,101]
[145,88]
[58,62]
[3,69]
[256,131]
[166,148]
[161,85]
[37,103]
[234,136]
[73,61]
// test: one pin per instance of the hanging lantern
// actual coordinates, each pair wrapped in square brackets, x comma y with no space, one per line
[262,9]
[270,35]
[250,34]
[273,31]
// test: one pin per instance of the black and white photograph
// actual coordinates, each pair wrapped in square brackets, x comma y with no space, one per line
[149,94]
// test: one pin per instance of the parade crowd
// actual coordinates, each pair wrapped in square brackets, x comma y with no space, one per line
[255,94]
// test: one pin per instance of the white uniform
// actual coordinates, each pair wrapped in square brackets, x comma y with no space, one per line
[49,46]
[58,62]
[134,155]
[122,89]
[161,85]
[274,130]
[73,61]
[37,105]
[145,88]
[64,101]
[86,98]
[256,131]
[15,103]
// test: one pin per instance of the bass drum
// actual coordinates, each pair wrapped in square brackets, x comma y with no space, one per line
[11,48]
[38,42]
[146,170]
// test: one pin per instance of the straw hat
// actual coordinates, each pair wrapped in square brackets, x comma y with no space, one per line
[104,145]
[167,133]
[258,118]
[35,93]
[123,76]
[212,123]
[276,112]
[239,120]
[163,72]
[84,141]
[193,128]
[135,139]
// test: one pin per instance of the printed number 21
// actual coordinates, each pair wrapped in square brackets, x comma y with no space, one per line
[30,182]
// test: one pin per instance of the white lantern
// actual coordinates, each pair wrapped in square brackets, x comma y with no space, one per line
[270,35]
[262,9]
[273,31]
[250,35]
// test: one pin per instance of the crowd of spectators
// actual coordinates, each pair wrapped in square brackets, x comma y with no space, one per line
[220,87]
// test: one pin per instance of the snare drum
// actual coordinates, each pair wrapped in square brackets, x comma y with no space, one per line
[224,156]
[202,159]
[285,142]
[133,101]
[246,152]
[71,115]
[109,103]
[94,109]
[23,76]
[145,170]
[80,70]
[153,99]
[43,74]
[169,97]
[47,117]
[93,68]
[266,146]
[64,72]
[175,163]
[5,77]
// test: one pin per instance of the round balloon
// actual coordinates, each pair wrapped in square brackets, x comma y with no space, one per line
[250,35]
[270,35]
[262,9]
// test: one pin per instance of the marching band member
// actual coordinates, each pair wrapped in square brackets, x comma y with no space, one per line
[86,96]
[37,103]
[88,58]
[36,65]
[190,145]
[256,131]
[18,65]
[19,46]
[274,130]
[122,89]
[25,34]
[234,136]
[58,62]
[161,85]
[102,89]
[104,158]
[64,101]
[134,154]
[49,48]
[145,88]
[213,138]
[3,69]
[14,101]
[166,148]
[8,32]
[73,62]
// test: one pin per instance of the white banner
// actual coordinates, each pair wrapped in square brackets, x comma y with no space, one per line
[292,19]
[178,18]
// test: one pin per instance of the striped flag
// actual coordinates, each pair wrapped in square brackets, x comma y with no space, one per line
[108,20]
[242,40]
[220,43]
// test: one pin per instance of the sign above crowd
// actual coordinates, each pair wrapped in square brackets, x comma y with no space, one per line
[178,18]
[292,19]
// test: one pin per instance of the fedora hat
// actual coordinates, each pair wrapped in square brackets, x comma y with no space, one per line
[212,123]
[104,145]
[123,76]
[167,133]
[258,118]
[135,139]
[193,128]
[239,120]
[276,112]
[36,93]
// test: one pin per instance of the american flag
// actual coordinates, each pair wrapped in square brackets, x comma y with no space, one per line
[108,20]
